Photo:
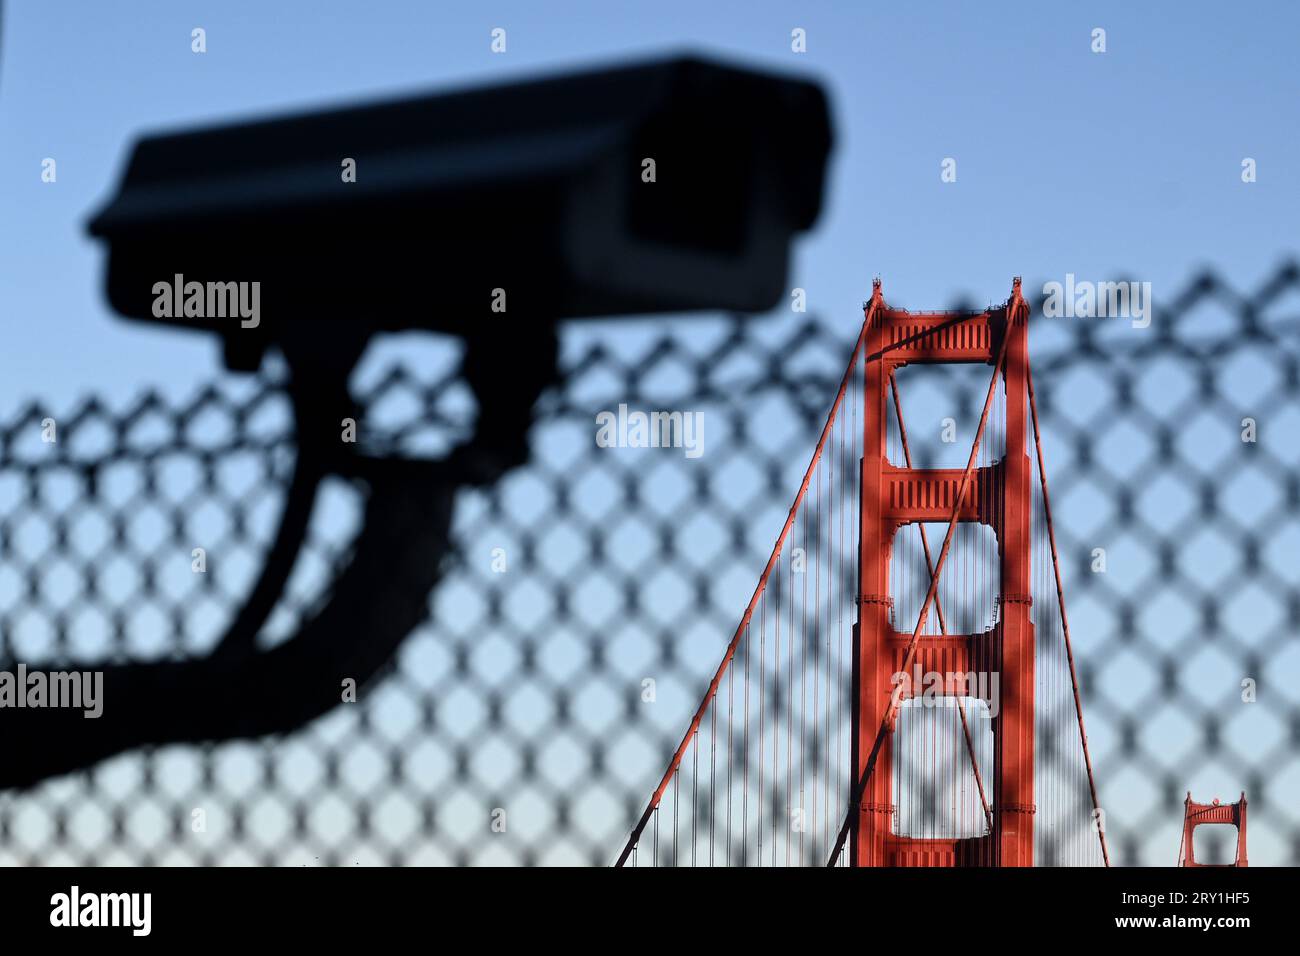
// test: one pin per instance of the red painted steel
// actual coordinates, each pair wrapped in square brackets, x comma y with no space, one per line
[997,494]
[938,610]
[1195,814]
[891,497]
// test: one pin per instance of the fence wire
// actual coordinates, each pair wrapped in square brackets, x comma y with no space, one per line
[592,591]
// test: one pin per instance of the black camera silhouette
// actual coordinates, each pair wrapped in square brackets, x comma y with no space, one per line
[665,187]
[490,215]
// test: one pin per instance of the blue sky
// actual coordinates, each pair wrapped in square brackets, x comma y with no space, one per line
[1068,161]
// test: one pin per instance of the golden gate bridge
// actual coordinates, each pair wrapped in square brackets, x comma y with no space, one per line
[901,689]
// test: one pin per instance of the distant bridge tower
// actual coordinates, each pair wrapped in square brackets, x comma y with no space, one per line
[998,495]
[1195,814]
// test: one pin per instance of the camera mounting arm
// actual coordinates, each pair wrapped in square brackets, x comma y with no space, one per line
[239,691]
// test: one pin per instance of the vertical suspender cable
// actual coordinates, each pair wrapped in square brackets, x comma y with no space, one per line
[1065,625]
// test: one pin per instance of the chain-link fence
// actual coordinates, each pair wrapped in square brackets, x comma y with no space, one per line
[513,726]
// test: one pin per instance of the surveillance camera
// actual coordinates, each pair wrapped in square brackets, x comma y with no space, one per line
[664,187]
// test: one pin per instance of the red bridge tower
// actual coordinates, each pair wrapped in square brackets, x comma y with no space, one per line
[1195,814]
[763,774]
[997,495]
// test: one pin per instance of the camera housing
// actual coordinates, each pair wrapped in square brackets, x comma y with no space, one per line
[532,200]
